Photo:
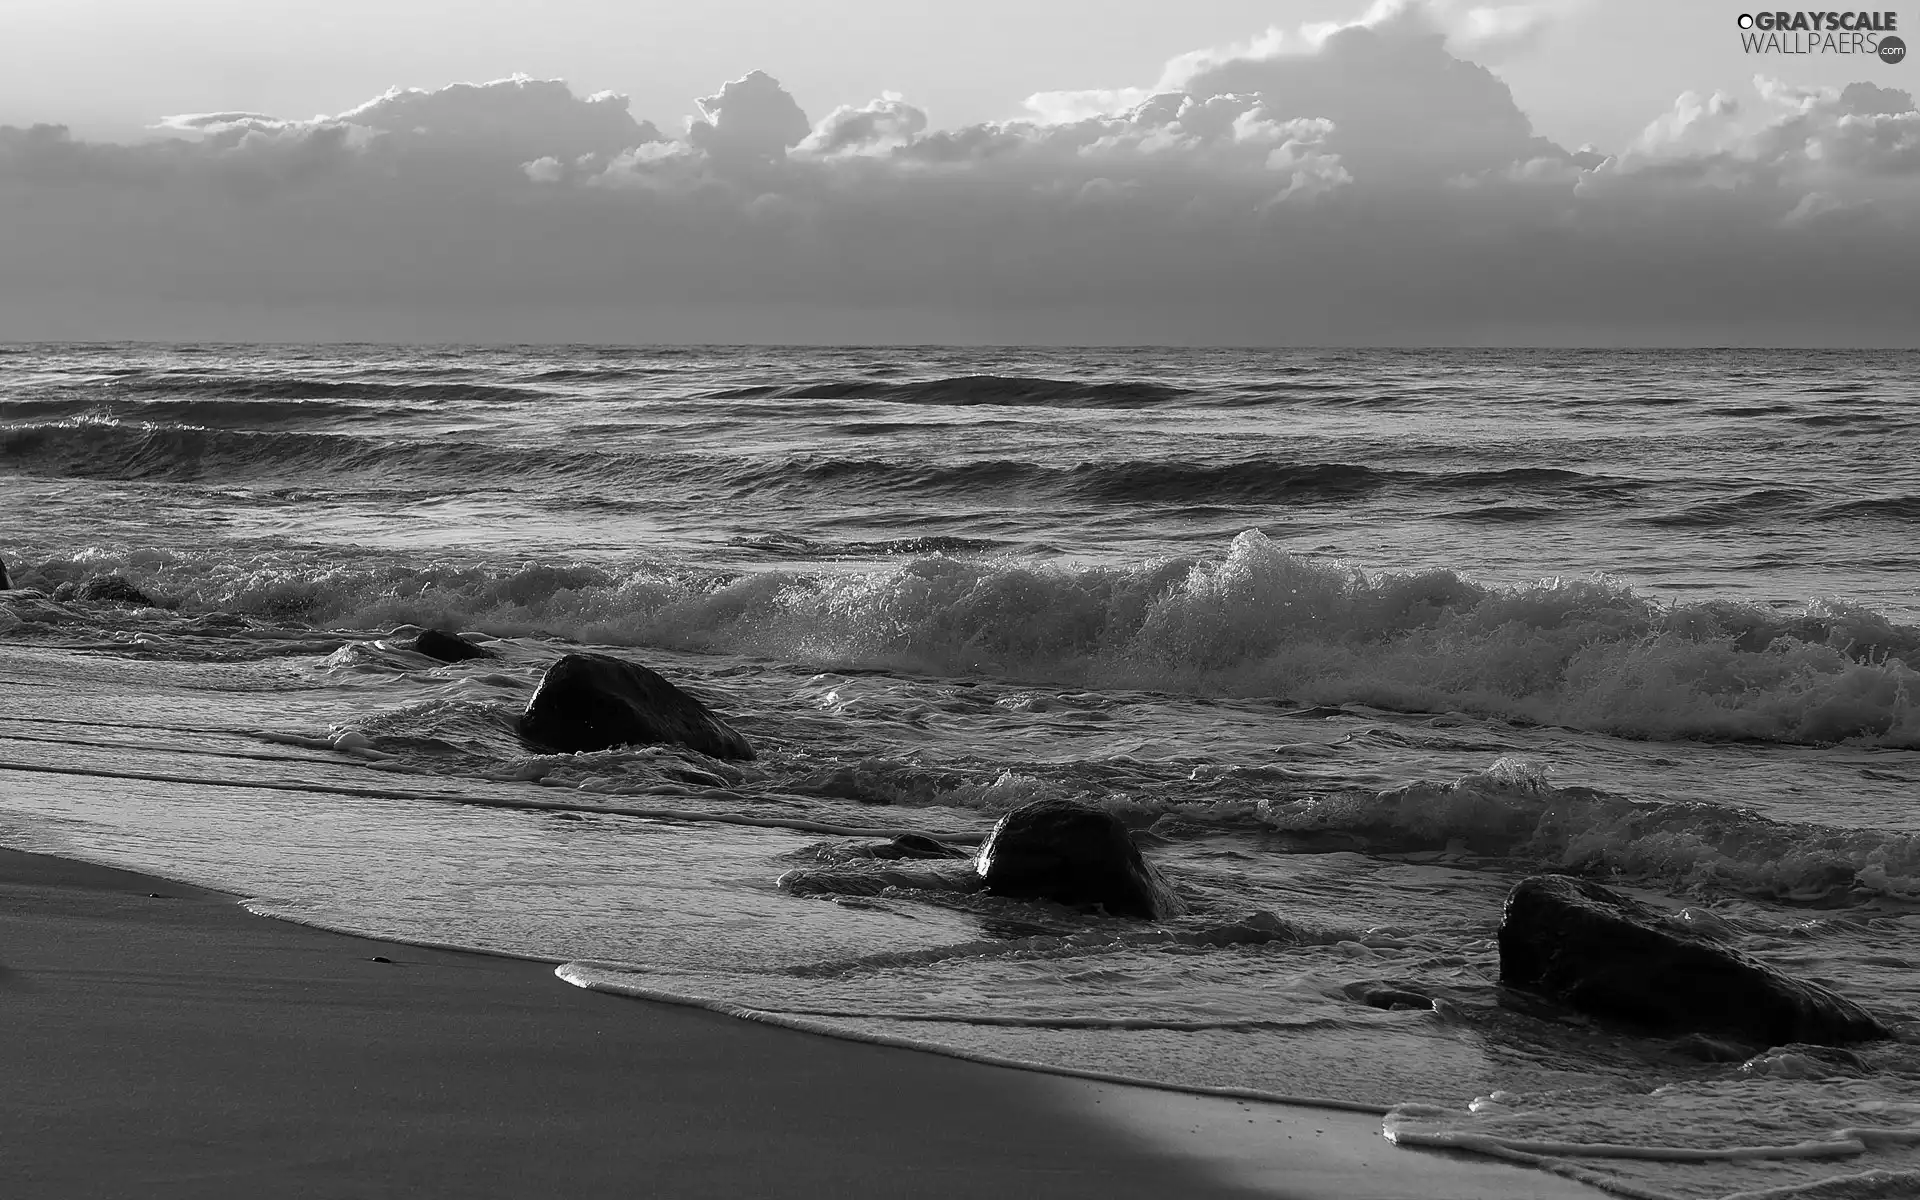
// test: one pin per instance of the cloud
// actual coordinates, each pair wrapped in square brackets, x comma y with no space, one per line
[879,125]
[203,122]
[1482,32]
[1852,145]
[751,122]
[1366,181]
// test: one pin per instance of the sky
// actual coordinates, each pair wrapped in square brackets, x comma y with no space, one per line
[1296,172]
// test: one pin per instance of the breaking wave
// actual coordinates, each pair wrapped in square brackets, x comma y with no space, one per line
[1510,811]
[1252,621]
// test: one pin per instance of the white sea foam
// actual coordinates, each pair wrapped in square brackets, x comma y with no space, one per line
[1702,1140]
[1255,621]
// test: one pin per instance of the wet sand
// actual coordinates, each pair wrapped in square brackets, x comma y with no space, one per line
[164,1042]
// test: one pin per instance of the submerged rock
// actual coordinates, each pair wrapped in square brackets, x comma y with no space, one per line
[447,647]
[112,589]
[868,881]
[916,845]
[597,701]
[1608,955]
[1375,993]
[1074,854]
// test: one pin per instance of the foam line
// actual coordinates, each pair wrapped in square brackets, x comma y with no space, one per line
[1842,1145]
[244,733]
[595,978]
[1891,1184]
[1157,1023]
[1571,1170]
[1552,1155]
[159,747]
[622,810]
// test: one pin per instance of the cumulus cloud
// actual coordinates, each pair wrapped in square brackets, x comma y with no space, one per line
[879,125]
[1846,146]
[1364,181]
[750,122]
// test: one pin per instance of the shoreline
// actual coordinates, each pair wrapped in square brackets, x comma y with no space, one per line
[177,1044]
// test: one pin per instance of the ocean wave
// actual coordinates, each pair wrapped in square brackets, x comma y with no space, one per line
[970,390]
[793,546]
[1504,514]
[190,410]
[599,374]
[1252,621]
[289,387]
[1510,811]
[1251,480]
[103,446]
[1758,502]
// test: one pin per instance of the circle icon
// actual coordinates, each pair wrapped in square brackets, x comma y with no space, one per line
[1746,21]
[1892,50]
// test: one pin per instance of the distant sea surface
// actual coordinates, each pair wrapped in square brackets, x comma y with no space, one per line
[1353,639]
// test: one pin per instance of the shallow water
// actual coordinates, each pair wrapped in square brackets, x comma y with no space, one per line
[1354,640]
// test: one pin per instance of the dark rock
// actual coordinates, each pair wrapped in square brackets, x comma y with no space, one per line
[65,592]
[1611,956]
[1707,1049]
[447,647]
[596,702]
[1074,854]
[1376,994]
[112,589]
[916,845]
[6,584]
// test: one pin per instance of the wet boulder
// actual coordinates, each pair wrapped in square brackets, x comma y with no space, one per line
[112,589]
[1074,854]
[597,701]
[6,584]
[447,647]
[1608,955]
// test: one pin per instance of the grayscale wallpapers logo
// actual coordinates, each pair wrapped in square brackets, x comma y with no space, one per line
[1823,33]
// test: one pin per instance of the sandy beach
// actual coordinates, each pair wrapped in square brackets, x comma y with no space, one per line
[169,1043]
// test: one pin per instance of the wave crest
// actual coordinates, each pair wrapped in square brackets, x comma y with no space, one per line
[971,390]
[1254,621]
[1510,811]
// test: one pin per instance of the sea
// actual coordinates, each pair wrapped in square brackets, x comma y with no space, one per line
[1353,640]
